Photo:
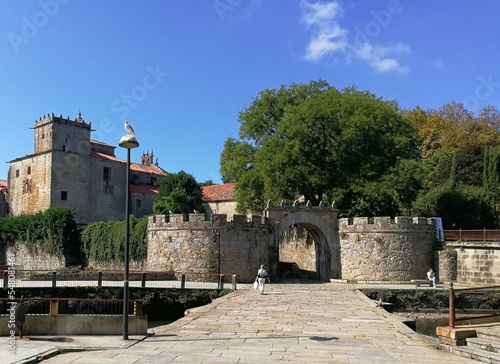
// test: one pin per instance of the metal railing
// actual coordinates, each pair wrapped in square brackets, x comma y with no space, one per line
[73,306]
[452,291]
[483,235]
[145,279]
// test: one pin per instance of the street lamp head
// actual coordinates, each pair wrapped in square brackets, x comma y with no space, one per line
[128,142]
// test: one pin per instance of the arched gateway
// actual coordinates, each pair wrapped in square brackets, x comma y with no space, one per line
[321,222]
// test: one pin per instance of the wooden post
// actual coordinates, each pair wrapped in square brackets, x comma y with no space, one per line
[99,279]
[452,307]
[54,307]
[183,280]
[143,280]
[54,279]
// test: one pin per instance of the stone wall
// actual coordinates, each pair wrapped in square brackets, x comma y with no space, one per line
[445,265]
[32,260]
[133,266]
[189,243]
[382,249]
[477,262]
[297,246]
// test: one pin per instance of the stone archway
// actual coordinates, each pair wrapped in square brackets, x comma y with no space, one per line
[321,223]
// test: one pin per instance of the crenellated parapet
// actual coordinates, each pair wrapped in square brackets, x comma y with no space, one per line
[201,221]
[49,118]
[382,248]
[301,204]
[201,244]
[386,223]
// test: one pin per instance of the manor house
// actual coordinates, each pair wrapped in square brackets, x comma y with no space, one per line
[68,168]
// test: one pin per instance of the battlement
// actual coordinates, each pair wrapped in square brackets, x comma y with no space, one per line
[78,121]
[201,221]
[300,204]
[386,223]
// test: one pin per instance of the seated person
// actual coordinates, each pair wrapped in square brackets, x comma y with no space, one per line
[431,276]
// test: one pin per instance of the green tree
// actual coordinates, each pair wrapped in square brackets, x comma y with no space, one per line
[317,142]
[461,207]
[178,193]
[456,164]
[491,180]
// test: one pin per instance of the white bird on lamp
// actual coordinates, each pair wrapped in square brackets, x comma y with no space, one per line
[129,128]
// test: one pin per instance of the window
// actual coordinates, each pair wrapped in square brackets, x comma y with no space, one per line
[138,204]
[153,182]
[64,148]
[106,174]
[28,170]
[17,172]
[64,195]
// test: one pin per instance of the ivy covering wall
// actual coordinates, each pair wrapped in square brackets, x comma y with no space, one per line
[104,242]
[54,231]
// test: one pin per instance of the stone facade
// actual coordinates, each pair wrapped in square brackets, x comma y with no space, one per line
[445,265]
[297,246]
[382,250]
[4,198]
[191,244]
[477,262]
[386,250]
[32,260]
[68,168]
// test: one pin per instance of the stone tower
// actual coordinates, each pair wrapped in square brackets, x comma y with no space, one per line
[57,133]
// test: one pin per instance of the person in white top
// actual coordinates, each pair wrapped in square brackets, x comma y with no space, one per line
[262,278]
[431,276]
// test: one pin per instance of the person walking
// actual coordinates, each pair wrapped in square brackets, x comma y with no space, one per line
[262,278]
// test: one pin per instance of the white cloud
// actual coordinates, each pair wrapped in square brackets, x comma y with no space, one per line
[379,58]
[328,37]
[321,13]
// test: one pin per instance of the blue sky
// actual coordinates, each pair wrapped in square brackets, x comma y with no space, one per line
[180,71]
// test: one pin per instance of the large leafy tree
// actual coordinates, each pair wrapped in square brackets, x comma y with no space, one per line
[178,193]
[318,142]
[459,164]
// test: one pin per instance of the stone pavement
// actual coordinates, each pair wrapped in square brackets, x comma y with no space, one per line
[294,323]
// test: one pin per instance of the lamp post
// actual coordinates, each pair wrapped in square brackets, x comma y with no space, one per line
[128,142]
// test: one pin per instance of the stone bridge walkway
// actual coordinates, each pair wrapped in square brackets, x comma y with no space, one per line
[293,323]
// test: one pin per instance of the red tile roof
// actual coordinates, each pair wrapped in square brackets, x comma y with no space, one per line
[223,192]
[3,184]
[143,188]
[92,141]
[96,154]
[153,169]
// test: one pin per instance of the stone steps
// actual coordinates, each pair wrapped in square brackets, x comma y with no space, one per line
[484,348]
[477,354]
[484,344]
[290,270]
